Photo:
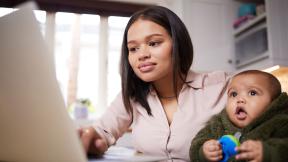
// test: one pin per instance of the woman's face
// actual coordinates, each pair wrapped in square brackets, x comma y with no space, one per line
[150,50]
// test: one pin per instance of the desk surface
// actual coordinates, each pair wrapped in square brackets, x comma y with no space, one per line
[123,154]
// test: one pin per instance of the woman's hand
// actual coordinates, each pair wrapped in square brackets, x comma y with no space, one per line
[251,151]
[212,150]
[92,141]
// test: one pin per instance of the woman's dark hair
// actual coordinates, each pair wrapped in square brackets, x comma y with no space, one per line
[133,88]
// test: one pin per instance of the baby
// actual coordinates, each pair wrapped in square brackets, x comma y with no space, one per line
[259,111]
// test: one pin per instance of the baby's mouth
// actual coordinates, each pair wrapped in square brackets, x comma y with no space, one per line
[240,113]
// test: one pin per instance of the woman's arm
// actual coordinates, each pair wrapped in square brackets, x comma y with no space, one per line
[106,130]
[114,122]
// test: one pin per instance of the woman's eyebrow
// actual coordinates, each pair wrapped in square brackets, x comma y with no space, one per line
[132,41]
[154,35]
[147,37]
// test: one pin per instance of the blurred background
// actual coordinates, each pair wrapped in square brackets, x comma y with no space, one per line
[85,37]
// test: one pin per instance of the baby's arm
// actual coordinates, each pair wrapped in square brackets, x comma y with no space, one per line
[250,150]
[213,130]
[212,150]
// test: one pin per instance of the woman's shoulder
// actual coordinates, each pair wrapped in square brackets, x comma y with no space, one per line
[218,76]
[208,78]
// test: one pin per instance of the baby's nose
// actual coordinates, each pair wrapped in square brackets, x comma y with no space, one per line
[240,99]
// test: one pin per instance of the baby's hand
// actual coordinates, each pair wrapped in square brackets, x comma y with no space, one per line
[212,150]
[251,151]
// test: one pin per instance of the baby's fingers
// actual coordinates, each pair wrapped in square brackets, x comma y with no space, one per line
[244,156]
[214,156]
[250,151]
[245,147]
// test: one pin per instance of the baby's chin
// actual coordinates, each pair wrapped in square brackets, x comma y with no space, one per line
[239,123]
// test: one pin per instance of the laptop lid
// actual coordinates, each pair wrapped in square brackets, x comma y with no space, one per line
[34,123]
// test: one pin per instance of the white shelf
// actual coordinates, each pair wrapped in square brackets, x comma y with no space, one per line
[249,24]
[274,23]
[251,1]
[254,59]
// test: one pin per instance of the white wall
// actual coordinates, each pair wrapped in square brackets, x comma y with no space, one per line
[175,5]
[210,26]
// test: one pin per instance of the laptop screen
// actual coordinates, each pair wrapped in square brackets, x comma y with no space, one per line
[34,123]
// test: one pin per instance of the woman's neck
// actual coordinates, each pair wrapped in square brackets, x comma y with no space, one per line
[165,88]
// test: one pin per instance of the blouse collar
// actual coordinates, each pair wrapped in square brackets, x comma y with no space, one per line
[193,79]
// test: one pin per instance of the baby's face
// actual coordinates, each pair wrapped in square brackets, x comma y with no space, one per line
[248,98]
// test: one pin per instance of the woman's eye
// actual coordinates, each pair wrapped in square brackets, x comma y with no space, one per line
[132,49]
[253,93]
[154,44]
[233,94]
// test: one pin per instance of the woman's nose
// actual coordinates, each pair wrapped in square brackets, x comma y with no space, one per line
[144,53]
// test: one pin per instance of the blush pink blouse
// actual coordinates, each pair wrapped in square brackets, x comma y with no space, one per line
[198,102]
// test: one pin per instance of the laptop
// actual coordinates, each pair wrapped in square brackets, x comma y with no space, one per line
[34,123]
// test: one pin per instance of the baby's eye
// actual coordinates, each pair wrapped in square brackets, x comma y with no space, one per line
[252,93]
[233,94]
[152,43]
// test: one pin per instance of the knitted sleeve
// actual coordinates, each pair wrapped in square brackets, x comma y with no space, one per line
[275,149]
[213,130]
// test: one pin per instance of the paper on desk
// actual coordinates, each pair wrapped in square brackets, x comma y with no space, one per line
[123,154]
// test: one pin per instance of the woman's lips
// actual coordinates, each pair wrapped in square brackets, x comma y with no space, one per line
[240,113]
[146,67]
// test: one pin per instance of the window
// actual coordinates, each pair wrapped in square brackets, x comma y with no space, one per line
[116,31]
[63,49]
[86,68]
[5,11]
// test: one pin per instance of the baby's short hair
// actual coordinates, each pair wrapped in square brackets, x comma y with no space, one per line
[275,86]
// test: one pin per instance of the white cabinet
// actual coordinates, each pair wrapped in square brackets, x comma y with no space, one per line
[263,41]
[251,41]
[210,27]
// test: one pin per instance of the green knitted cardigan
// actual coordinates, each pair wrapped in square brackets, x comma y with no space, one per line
[271,128]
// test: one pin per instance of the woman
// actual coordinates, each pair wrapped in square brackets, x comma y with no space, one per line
[162,100]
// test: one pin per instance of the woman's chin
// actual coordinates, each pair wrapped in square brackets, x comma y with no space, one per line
[148,78]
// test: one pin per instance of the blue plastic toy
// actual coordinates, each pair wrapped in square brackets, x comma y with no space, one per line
[228,142]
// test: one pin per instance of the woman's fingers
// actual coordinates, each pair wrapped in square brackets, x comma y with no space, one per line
[86,135]
[92,141]
[80,131]
[101,145]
